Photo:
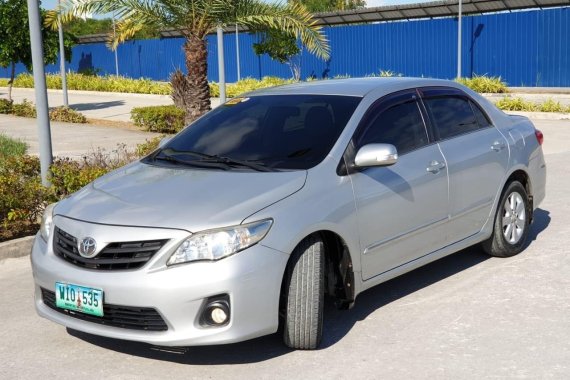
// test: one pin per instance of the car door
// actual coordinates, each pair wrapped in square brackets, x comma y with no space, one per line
[476,153]
[402,208]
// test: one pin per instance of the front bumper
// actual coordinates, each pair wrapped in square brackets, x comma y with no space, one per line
[251,279]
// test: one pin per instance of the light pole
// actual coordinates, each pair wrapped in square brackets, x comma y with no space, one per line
[62,57]
[44,133]
[116,48]
[221,65]
[459,41]
[237,54]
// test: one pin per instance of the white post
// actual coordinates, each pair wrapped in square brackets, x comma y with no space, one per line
[237,54]
[459,41]
[62,60]
[221,66]
[44,132]
[117,48]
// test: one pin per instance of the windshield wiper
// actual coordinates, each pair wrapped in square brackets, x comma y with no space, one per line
[233,161]
[196,163]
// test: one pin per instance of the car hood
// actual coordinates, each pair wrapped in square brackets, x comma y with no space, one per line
[189,199]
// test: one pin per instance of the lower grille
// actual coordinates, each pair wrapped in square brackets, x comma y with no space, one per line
[127,317]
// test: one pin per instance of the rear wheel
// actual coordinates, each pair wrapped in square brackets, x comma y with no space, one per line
[304,295]
[511,226]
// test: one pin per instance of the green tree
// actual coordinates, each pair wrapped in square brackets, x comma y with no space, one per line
[195,20]
[83,27]
[15,39]
[330,5]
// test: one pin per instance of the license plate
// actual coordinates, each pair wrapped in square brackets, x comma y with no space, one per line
[79,298]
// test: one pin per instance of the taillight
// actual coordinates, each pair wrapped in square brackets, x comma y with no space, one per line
[539,136]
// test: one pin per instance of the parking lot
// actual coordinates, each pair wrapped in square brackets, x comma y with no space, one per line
[465,316]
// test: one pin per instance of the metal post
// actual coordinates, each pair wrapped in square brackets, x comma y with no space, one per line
[221,67]
[459,41]
[237,54]
[44,133]
[62,61]
[117,48]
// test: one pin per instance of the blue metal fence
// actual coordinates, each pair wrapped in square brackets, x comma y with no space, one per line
[528,48]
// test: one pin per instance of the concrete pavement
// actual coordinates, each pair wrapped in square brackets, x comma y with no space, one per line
[72,140]
[466,316]
[96,105]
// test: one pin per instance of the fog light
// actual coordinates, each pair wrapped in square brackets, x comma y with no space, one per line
[216,311]
[218,315]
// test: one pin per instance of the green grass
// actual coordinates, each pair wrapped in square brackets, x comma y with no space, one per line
[10,147]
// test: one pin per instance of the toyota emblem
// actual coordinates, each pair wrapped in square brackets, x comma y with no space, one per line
[87,247]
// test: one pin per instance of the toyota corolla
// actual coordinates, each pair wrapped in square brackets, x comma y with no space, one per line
[240,224]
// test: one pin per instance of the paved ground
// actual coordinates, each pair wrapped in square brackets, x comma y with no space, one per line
[72,140]
[463,317]
[96,105]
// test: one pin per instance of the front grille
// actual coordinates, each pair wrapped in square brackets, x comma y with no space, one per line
[115,256]
[127,317]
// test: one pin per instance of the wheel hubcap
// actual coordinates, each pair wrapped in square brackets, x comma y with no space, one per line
[514,218]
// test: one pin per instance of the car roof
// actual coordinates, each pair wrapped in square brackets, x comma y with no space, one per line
[352,86]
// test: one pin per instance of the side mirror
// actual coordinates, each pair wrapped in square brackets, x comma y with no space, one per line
[164,141]
[376,155]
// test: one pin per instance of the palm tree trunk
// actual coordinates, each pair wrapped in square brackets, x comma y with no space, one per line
[191,92]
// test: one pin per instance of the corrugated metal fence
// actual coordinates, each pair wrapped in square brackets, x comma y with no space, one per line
[528,48]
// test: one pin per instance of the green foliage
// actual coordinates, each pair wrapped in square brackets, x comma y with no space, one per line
[248,85]
[15,36]
[162,119]
[330,5]
[24,109]
[67,115]
[278,45]
[6,106]
[149,146]
[80,27]
[484,84]
[23,198]
[509,103]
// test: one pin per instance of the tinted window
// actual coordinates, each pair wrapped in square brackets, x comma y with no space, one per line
[480,116]
[277,131]
[400,125]
[451,115]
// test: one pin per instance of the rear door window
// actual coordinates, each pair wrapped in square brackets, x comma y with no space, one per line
[451,115]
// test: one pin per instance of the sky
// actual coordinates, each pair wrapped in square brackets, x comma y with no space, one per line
[50,4]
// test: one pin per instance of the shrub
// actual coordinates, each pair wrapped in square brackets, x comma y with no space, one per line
[516,104]
[24,109]
[67,115]
[162,119]
[149,146]
[484,84]
[6,106]
[552,106]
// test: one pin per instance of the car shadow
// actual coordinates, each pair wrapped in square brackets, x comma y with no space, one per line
[338,323]
[97,105]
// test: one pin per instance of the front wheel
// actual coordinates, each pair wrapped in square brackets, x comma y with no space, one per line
[512,220]
[304,295]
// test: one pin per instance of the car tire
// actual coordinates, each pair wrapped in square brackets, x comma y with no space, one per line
[304,295]
[512,222]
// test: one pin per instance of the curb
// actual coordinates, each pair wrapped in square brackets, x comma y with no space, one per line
[16,248]
[541,115]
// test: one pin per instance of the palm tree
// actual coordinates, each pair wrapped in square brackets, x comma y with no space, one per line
[195,19]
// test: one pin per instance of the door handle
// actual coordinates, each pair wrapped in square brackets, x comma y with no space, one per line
[435,166]
[498,146]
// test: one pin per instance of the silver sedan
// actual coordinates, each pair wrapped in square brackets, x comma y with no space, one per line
[246,219]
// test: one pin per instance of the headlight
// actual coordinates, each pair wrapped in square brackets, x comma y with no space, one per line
[216,244]
[47,219]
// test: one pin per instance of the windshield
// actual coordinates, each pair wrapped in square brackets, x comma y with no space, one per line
[274,132]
